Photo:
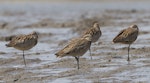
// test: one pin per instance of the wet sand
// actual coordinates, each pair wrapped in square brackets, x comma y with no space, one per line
[57,24]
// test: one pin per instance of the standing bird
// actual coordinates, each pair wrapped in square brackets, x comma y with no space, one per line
[95,32]
[23,42]
[127,36]
[76,48]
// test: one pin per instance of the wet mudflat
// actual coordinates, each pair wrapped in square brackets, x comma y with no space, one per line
[57,23]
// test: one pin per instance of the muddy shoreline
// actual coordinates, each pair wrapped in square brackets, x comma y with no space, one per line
[57,27]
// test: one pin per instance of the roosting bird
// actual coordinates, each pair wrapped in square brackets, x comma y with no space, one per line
[95,32]
[76,48]
[127,36]
[23,42]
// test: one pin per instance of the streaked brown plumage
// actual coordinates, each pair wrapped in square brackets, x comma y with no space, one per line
[95,32]
[127,36]
[76,48]
[23,42]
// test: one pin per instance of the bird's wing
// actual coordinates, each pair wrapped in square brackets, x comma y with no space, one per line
[126,35]
[130,34]
[75,46]
[118,36]
[21,39]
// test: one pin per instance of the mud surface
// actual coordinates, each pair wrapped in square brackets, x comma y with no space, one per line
[57,23]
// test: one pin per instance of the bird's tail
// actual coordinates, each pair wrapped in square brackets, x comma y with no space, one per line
[117,40]
[59,54]
[8,45]
[114,40]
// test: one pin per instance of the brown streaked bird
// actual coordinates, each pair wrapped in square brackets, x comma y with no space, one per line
[23,42]
[76,48]
[127,36]
[95,32]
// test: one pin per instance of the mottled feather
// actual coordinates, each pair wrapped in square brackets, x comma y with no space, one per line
[75,48]
[94,31]
[23,42]
[126,36]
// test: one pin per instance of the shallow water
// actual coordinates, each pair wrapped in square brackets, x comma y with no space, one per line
[63,11]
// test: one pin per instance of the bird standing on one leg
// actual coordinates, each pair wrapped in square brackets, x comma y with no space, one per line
[127,36]
[23,42]
[76,48]
[95,32]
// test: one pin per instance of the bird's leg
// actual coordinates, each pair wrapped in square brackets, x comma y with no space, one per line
[24,58]
[90,52]
[128,53]
[77,59]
